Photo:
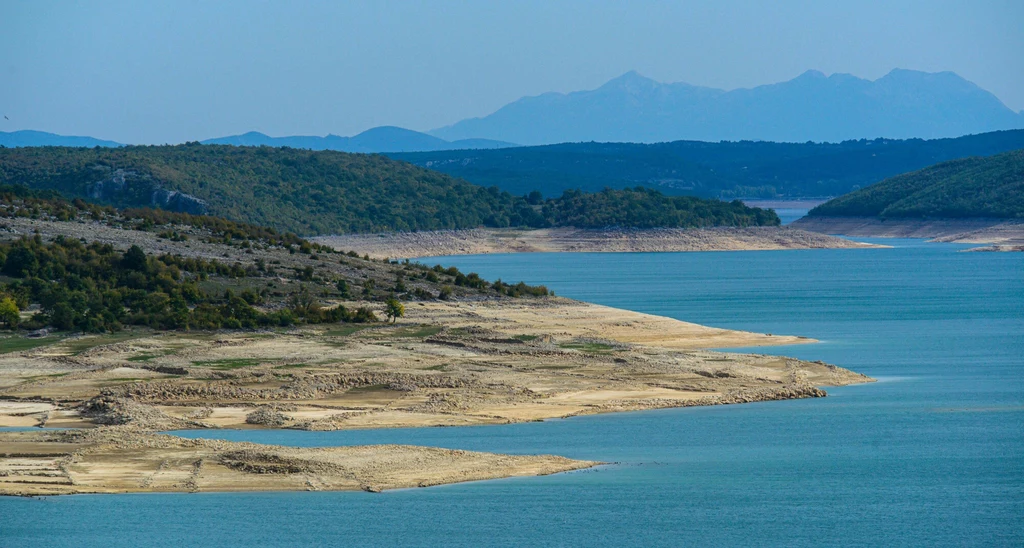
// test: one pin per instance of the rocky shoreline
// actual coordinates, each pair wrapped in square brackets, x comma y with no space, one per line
[1002,234]
[131,460]
[445,364]
[403,245]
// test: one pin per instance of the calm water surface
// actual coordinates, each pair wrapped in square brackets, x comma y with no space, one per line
[933,454]
[789,214]
[787,210]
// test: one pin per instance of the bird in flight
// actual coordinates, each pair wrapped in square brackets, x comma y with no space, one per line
[6,118]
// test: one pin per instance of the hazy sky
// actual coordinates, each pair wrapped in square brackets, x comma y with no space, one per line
[156,72]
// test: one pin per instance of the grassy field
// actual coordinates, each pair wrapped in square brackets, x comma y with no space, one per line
[227,364]
[17,343]
[82,344]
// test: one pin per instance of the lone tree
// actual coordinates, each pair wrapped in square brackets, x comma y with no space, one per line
[393,309]
[343,289]
[9,313]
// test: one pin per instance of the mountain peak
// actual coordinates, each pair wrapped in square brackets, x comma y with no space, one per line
[630,80]
[812,74]
[810,107]
[388,131]
[905,75]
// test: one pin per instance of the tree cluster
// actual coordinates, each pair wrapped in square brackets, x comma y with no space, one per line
[93,287]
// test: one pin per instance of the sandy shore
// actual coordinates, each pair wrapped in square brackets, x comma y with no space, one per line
[448,364]
[569,319]
[122,460]
[492,240]
[1003,234]
[487,362]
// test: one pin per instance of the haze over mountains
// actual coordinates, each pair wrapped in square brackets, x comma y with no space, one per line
[29,138]
[378,139]
[632,108]
[810,107]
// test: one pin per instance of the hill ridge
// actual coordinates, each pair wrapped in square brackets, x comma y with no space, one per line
[727,170]
[325,192]
[976,187]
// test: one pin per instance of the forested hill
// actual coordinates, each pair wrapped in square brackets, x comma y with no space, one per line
[727,170]
[970,187]
[324,192]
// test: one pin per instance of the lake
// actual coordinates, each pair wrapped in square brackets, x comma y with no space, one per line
[787,210]
[932,454]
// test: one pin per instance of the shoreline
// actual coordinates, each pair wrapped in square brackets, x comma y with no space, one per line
[91,462]
[999,234]
[408,245]
[448,364]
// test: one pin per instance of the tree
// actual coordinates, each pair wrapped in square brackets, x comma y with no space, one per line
[343,289]
[20,261]
[9,313]
[368,287]
[393,309]
[134,259]
[62,316]
[304,304]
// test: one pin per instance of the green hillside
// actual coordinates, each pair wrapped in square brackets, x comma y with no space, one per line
[726,170]
[198,272]
[322,192]
[971,187]
[646,208]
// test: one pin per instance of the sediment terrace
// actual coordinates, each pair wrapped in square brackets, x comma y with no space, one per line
[450,364]
[126,460]
[497,240]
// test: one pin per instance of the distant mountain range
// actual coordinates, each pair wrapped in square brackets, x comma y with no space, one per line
[28,138]
[810,107]
[903,104]
[378,139]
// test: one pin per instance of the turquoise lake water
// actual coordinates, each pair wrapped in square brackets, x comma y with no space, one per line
[932,454]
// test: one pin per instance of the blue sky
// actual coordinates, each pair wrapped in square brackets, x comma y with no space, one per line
[156,72]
